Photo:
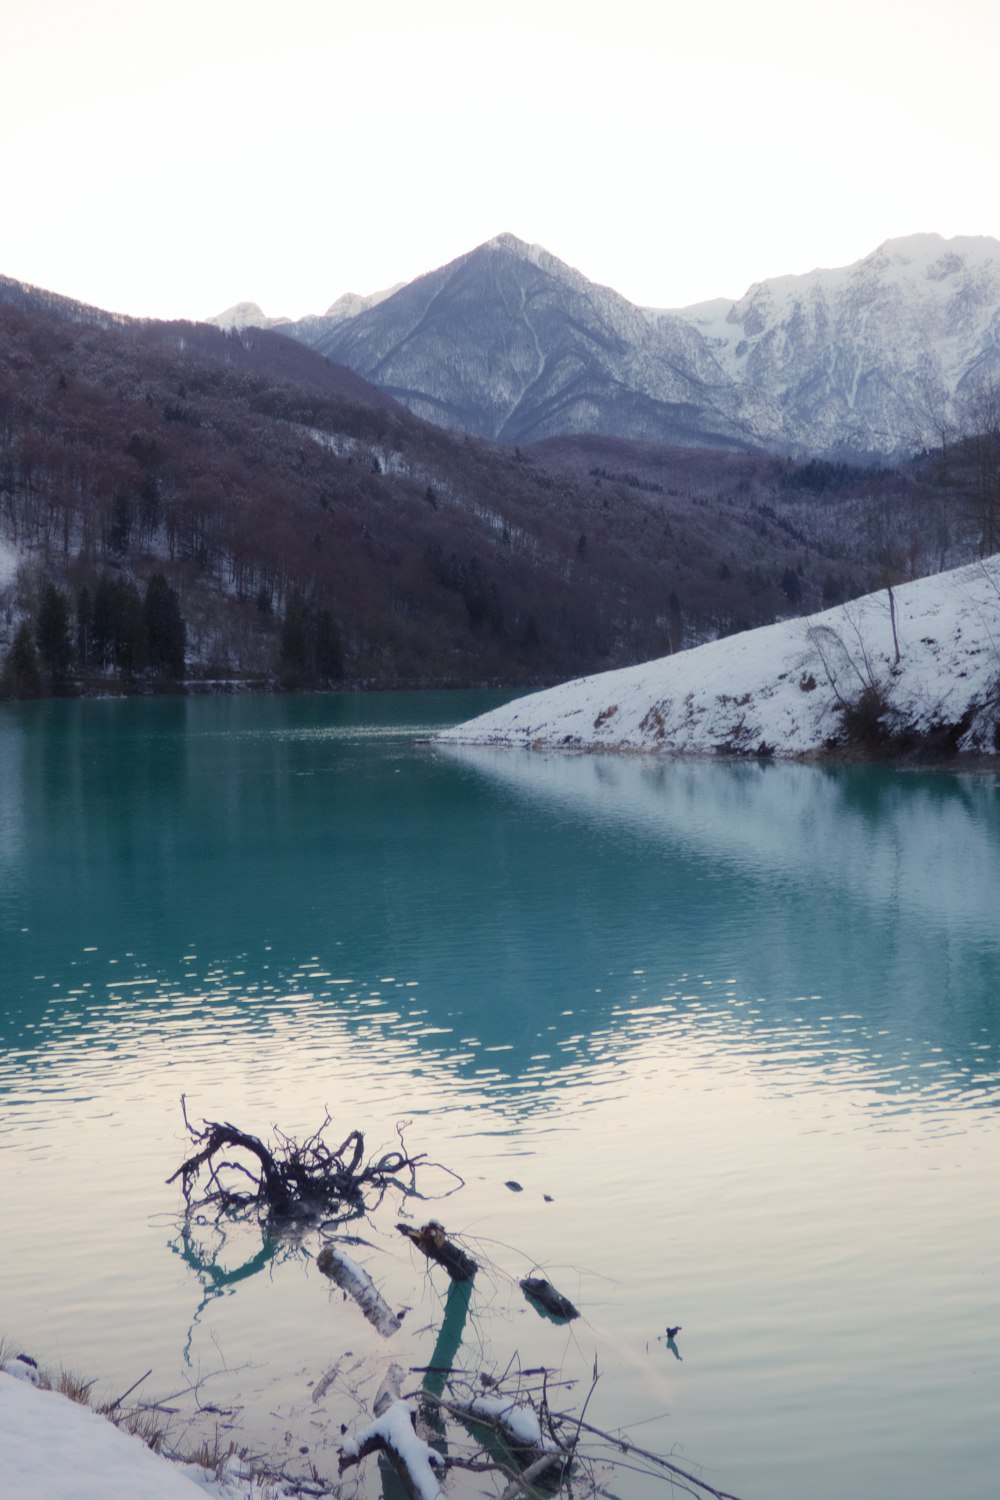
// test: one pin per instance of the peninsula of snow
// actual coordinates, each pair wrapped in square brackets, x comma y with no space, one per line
[801,688]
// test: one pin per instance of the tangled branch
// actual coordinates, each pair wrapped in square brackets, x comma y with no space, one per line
[292,1179]
[559,1448]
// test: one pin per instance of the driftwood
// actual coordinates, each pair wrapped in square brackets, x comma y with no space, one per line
[356,1283]
[544,1293]
[533,1455]
[432,1240]
[558,1446]
[393,1434]
[292,1179]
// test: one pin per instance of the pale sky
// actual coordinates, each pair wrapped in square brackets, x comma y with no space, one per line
[170,159]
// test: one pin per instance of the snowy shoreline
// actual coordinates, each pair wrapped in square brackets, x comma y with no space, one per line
[55,1448]
[909,676]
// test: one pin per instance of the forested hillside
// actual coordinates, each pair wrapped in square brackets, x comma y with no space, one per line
[179,503]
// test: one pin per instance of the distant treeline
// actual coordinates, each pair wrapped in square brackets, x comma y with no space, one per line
[192,504]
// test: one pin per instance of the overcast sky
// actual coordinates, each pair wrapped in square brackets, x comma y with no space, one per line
[170,159]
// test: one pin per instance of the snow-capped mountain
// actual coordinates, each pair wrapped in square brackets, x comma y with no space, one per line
[509,342]
[245,315]
[309,329]
[874,356]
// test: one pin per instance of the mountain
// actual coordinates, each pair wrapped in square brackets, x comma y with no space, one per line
[913,672]
[289,504]
[509,343]
[245,315]
[872,360]
[874,357]
[309,329]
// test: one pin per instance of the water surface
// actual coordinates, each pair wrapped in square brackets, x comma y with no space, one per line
[739,1022]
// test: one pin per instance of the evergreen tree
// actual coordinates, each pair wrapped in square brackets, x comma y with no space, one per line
[329,648]
[84,626]
[22,677]
[166,636]
[52,634]
[791,586]
[119,628]
[295,633]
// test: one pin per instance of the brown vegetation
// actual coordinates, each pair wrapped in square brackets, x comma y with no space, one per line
[312,532]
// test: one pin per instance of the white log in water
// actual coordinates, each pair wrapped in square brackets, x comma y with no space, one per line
[356,1282]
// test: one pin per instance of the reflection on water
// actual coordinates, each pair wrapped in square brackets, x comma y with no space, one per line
[748,1012]
[509,918]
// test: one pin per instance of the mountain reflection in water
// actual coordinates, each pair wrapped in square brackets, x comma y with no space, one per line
[733,1027]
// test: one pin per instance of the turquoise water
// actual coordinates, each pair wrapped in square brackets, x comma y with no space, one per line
[739,1022]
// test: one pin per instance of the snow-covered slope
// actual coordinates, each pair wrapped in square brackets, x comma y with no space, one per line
[871,355]
[793,689]
[52,1448]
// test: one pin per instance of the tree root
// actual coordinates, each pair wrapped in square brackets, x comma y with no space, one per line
[292,1179]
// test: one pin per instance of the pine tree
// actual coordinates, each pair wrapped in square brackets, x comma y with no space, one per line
[22,677]
[166,635]
[295,634]
[52,634]
[119,626]
[84,624]
[329,649]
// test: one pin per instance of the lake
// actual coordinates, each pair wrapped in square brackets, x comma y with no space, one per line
[732,1029]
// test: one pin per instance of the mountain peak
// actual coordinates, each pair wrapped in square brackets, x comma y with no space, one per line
[511,245]
[508,241]
[244,315]
[507,341]
[349,304]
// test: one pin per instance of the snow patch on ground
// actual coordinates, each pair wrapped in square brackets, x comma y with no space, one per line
[52,1448]
[781,689]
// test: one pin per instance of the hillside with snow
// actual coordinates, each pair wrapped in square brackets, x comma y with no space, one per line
[874,355]
[874,359]
[825,683]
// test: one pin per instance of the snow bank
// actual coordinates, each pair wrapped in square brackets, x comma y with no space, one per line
[52,1448]
[780,690]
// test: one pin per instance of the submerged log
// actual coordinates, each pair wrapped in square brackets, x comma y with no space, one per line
[392,1433]
[532,1452]
[356,1282]
[544,1293]
[432,1240]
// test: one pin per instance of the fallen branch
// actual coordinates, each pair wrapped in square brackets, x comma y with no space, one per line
[356,1283]
[432,1240]
[392,1433]
[517,1423]
[567,1428]
[537,1289]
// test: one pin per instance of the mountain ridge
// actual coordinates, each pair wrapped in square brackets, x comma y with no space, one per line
[871,360]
